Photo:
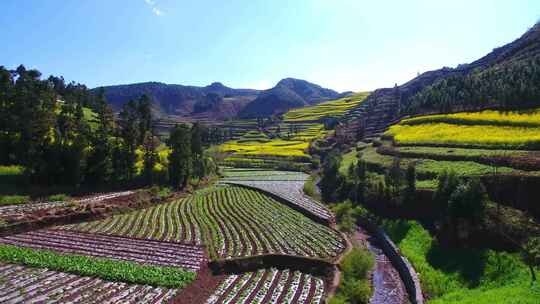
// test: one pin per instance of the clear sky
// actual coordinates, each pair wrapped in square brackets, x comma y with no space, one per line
[340,44]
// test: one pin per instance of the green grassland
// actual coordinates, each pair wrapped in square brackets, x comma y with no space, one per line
[463,275]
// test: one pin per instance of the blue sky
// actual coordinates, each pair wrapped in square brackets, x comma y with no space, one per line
[342,44]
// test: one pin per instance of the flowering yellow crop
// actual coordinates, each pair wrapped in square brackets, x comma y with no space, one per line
[530,118]
[467,135]
[334,108]
[272,148]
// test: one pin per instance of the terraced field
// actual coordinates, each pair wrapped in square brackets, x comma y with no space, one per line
[334,108]
[13,210]
[233,174]
[270,286]
[291,191]
[486,129]
[20,284]
[171,222]
[225,221]
[231,221]
[286,142]
[188,257]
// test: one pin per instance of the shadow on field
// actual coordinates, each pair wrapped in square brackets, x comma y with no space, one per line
[468,263]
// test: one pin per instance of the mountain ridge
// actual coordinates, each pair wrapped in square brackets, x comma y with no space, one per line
[219,102]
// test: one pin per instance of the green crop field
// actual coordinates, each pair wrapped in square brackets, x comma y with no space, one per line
[232,221]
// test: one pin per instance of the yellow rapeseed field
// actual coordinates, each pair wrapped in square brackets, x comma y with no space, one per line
[275,147]
[467,135]
[334,108]
[489,117]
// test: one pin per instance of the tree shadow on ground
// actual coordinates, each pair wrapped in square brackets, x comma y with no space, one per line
[469,264]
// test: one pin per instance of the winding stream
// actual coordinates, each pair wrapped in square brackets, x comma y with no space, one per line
[387,285]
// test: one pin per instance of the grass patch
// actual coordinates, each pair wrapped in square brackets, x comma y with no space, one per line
[463,275]
[354,286]
[13,200]
[107,269]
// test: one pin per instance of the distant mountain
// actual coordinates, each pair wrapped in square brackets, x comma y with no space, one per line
[214,102]
[287,94]
[218,102]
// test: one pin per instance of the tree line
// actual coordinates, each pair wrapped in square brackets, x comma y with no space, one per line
[68,135]
[510,86]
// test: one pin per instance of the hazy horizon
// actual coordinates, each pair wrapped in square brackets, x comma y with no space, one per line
[343,45]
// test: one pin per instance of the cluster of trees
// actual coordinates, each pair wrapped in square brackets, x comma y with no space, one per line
[398,185]
[461,203]
[67,135]
[512,86]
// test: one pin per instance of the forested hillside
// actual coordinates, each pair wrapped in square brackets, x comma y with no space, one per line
[505,78]
[60,134]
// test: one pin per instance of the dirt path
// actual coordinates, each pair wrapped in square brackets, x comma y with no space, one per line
[387,285]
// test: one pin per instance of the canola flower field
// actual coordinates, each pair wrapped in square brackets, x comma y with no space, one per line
[486,129]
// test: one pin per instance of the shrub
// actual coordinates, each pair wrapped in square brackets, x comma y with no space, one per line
[357,264]
[354,286]
[468,201]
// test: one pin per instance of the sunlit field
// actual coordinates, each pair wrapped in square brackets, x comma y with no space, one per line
[490,129]
[334,108]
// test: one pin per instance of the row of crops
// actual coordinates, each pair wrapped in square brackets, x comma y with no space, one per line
[291,191]
[188,257]
[12,210]
[233,221]
[269,286]
[234,174]
[171,222]
[21,284]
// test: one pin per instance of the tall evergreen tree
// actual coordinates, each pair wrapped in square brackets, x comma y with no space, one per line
[99,160]
[197,151]
[180,161]
[150,157]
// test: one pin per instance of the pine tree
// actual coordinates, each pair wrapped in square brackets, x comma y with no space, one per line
[99,160]
[150,156]
[180,161]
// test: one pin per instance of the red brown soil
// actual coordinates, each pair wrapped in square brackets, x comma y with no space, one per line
[201,289]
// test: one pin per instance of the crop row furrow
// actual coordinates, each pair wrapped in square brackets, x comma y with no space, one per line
[27,285]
